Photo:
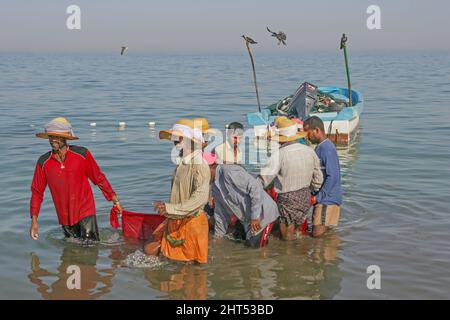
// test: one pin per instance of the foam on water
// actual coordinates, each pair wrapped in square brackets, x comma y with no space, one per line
[108,238]
[139,259]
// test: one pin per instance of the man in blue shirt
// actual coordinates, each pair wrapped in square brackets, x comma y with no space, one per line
[328,199]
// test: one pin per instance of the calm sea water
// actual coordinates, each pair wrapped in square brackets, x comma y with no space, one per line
[396,178]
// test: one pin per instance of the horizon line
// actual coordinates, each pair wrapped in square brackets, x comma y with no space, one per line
[187,52]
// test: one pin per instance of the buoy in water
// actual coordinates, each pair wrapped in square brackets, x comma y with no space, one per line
[151,123]
[122,124]
[93,124]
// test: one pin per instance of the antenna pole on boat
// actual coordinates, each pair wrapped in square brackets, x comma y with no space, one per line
[249,41]
[344,47]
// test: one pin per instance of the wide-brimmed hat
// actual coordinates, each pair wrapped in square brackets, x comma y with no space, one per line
[202,123]
[183,128]
[58,127]
[279,119]
[204,127]
[286,130]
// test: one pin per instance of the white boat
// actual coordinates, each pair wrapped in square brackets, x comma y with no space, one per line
[341,125]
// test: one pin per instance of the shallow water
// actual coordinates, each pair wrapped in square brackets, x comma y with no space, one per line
[395,178]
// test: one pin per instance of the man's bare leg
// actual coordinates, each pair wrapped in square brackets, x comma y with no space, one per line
[287,232]
[318,230]
[152,248]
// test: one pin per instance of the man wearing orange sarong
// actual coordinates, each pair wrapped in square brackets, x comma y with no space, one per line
[184,235]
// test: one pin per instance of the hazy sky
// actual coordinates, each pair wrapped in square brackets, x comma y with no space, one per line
[216,26]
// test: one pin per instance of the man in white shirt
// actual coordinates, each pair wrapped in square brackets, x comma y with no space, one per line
[294,170]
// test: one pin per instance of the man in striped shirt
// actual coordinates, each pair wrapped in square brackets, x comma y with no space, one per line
[294,170]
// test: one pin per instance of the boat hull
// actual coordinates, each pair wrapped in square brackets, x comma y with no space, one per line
[342,132]
[341,127]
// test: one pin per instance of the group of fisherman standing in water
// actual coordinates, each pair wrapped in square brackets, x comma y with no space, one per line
[210,190]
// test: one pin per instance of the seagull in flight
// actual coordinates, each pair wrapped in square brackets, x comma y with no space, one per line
[249,40]
[281,36]
[123,50]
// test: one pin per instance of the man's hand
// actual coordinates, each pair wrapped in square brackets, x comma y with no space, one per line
[211,202]
[34,229]
[119,208]
[255,225]
[160,207]
[117,205]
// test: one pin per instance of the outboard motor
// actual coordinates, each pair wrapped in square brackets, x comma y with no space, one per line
[283,106]
[303,100]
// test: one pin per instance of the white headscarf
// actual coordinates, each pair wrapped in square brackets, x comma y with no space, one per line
[188,132]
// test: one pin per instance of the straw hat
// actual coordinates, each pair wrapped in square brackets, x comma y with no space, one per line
[183,128]
[287,130]
[206,130]
[58,127]
[279,119]
[202,123]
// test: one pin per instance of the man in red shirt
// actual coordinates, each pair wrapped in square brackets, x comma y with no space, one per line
[66,170]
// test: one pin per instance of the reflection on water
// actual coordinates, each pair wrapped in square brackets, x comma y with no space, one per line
[186,282]
[302,269]
[349,156]
[152,133]
[94,282]
[237,272]
[234,271]
[93,135]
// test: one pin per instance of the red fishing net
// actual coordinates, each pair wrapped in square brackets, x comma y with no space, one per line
[136,225]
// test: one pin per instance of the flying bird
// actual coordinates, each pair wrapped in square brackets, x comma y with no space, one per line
[343,41]
[281,36]
[249,40]
[123,50]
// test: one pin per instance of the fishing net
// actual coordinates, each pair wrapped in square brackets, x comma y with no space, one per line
[136,225]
